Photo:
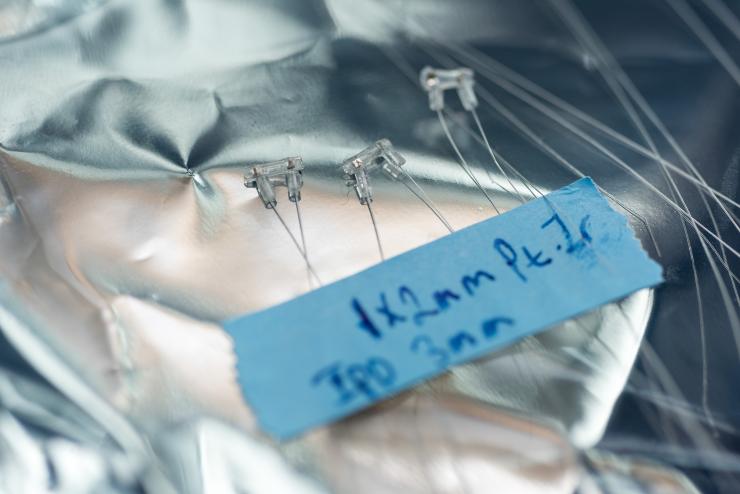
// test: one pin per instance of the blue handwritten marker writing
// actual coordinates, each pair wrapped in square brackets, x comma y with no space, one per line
[342,347]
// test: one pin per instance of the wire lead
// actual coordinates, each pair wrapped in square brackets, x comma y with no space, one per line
[375,228]
[297,245]
[462,161]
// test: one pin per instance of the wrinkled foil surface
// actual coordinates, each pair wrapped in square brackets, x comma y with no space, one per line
[126,236]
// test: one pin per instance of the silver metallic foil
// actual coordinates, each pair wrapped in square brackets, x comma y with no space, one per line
[126,236]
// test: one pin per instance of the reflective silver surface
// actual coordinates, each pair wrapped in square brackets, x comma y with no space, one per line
[127,235]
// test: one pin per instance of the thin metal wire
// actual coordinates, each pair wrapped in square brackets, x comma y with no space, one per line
[514,83]
[620,82]
[375,228]
[591,141]
[676,195]
[297,245]
[529,133]
[701,31]
[493,156]
[614,199]
[421,195]
[303,237]
[610,196]
[724,15]
[618,87]
[621,163]
[300,227]
[528,184]
[462,161]
[659,159]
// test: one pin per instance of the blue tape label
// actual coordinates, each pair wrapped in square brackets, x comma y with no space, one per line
[347,345]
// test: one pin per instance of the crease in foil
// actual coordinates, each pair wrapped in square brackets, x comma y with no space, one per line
[126,235]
